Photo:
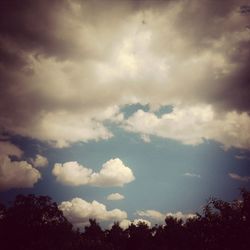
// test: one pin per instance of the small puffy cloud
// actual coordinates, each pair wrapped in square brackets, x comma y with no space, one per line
[40,161]
[79,211]
[115,197]
[17,174]
[112,173]
[192,175]
[239,177]
[126,223]
[7,148]
[192,124]
[160,217]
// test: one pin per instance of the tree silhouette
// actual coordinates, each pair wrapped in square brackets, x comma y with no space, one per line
[223,225]
[174,232]
[117,237]
[93,236]
[36,223]
[139,236]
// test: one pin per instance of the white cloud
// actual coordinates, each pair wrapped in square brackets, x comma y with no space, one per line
[79,211]
[180,215]
[71,173]
[61,129]
[17,174]
[190,125]
[154,216]
[160,217]
[115,197]
[112,173]
[7,148]
[239,177]
[40,161]
[125,223]
[192,175]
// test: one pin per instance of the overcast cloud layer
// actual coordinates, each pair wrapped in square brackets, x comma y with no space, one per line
[79,62]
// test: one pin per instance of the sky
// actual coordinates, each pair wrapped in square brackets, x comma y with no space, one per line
[125,110]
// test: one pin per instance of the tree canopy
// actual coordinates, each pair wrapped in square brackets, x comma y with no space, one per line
[35,222]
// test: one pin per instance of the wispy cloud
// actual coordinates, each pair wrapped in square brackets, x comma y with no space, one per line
[239,177]
[242,157]
[192,175]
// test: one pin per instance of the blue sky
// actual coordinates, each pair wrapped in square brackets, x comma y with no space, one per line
[126,113]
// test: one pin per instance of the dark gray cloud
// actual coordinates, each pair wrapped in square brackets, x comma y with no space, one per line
[72,64]
[31,26]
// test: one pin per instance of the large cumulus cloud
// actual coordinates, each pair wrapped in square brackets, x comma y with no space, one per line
[67,67]
[191,125]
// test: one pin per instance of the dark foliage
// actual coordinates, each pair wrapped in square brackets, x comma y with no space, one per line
[34,223]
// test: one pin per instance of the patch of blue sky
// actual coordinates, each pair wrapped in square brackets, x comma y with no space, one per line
[158,166]
[164,110]
[129,110]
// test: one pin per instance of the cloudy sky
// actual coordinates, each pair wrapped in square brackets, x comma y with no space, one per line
[125,110]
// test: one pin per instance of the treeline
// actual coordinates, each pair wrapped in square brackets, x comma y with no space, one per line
[36,223]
